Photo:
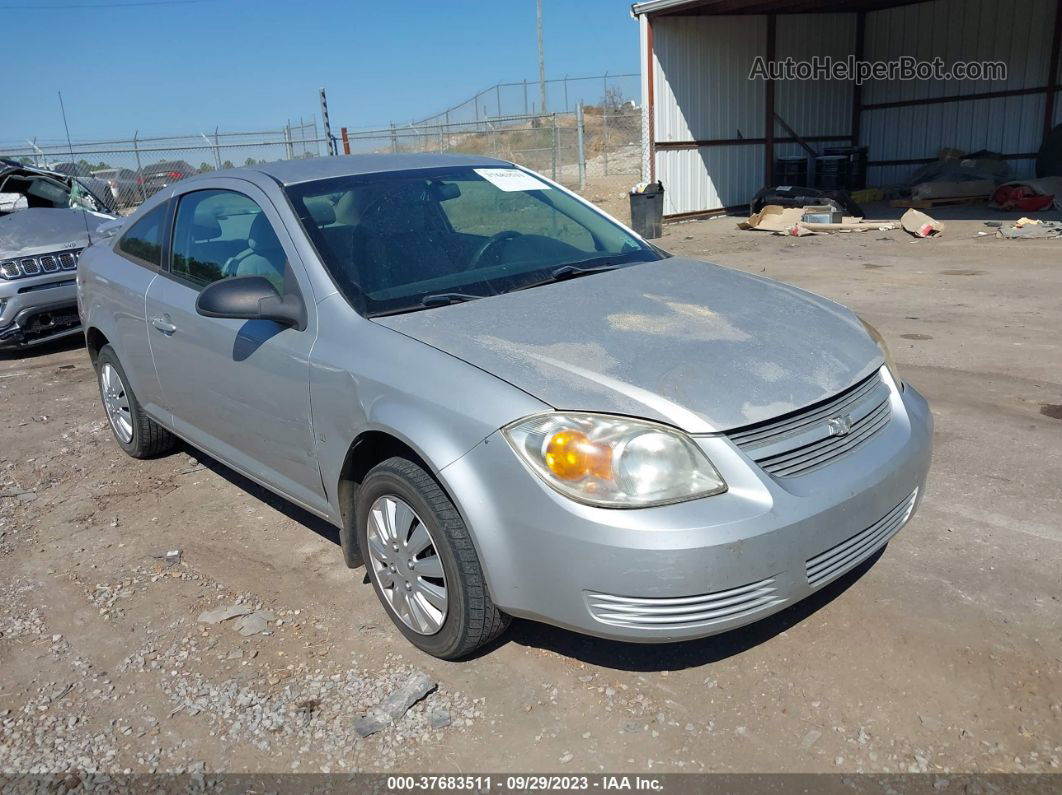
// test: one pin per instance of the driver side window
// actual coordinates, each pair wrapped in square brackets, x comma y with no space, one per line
[219,234]
[483,210]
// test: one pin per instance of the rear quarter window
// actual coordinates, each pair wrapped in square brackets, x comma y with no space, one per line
[143,242]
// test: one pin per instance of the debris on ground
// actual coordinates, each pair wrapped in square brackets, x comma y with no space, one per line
[440,718]
[789,221]
[219,614]
[1030,229]
[1029,195]
[416,687]
[254,623]
[919,224]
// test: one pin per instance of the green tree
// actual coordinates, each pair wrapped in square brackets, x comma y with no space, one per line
[249,161]
[205,167]
[227,164]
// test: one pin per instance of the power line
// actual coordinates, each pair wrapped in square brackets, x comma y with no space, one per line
[74,6]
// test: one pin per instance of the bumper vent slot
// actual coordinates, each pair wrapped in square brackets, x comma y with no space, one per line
[812,438]
[684,611]
[836,560]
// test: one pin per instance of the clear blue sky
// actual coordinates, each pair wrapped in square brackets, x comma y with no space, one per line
[252,64]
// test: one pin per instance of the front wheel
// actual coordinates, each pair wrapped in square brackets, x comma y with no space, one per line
[422,563]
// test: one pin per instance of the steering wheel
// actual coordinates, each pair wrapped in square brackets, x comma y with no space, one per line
[488,244]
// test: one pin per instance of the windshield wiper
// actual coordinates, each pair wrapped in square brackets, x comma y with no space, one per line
[444,299]
[567,272]
[433,299]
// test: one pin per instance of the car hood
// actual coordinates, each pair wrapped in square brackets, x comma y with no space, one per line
[42,229]
[696,345]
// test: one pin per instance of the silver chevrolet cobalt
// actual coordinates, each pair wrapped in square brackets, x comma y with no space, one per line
[509,403]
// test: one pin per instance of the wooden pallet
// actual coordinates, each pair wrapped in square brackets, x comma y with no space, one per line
[929,204]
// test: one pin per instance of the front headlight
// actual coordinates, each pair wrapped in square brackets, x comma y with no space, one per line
[613,462]
[884,347]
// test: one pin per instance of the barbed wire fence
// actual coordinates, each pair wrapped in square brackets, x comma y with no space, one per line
[588,138]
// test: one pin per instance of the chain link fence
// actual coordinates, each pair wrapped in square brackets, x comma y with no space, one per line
[595,148]
[132,169]
[523,98]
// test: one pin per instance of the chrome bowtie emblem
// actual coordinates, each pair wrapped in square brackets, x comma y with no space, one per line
[839,426]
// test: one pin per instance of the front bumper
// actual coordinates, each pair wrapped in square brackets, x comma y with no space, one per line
[34,311]
[696,568]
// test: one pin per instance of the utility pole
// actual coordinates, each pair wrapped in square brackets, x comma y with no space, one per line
[541,64]
[329,142]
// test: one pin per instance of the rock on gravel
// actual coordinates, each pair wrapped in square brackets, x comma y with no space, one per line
[416,687]
[440,718]
[219,614]
[254,623]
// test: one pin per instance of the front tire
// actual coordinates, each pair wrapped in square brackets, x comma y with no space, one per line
[136,433]
[421,562]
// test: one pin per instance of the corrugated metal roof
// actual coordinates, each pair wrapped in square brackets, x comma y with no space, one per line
[719,7]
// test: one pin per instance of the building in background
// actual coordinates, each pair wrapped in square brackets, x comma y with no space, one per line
[712,135]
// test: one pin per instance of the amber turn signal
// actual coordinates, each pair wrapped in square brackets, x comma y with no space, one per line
[571,455]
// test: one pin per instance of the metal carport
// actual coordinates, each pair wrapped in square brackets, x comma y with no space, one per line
[709,131]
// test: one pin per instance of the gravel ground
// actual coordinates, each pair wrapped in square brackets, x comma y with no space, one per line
[944,654]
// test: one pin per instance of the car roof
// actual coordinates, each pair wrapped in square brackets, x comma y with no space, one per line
[291,172]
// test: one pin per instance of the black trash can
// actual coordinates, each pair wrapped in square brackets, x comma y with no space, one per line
[647,211]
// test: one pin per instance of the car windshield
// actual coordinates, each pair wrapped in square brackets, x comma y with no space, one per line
[409,240]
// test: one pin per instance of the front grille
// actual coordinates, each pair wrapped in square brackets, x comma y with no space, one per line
[838,559]
[684,611]
[802,442]
[35,266]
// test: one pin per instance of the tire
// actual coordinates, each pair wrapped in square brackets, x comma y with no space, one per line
[471,619]
[146,438]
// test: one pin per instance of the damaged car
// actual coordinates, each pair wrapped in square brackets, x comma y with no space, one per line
[508,403]
[46,219]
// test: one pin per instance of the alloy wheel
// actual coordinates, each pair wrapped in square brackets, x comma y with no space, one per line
[116,403]
[407,565]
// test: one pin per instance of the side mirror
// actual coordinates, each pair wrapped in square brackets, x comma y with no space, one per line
[251,298]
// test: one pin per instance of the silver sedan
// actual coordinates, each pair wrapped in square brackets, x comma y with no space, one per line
[507,402]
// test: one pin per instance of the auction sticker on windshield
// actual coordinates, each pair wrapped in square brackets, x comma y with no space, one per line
[511,179]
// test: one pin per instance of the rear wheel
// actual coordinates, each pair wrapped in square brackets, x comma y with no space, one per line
[422,563]
[135,432]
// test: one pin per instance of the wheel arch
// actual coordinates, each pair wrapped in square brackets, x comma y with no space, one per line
[369,448]
[94,342]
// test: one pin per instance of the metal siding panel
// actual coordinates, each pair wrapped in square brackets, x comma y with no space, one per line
[1018,33]
[709,177]
[1010,125]
[701,87]
[815,107]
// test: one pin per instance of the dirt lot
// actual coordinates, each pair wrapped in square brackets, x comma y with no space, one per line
[944,654]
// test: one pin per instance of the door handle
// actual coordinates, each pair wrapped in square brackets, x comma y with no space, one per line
[163,325]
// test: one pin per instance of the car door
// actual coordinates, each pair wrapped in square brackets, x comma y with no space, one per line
[239,389]
[119,284]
